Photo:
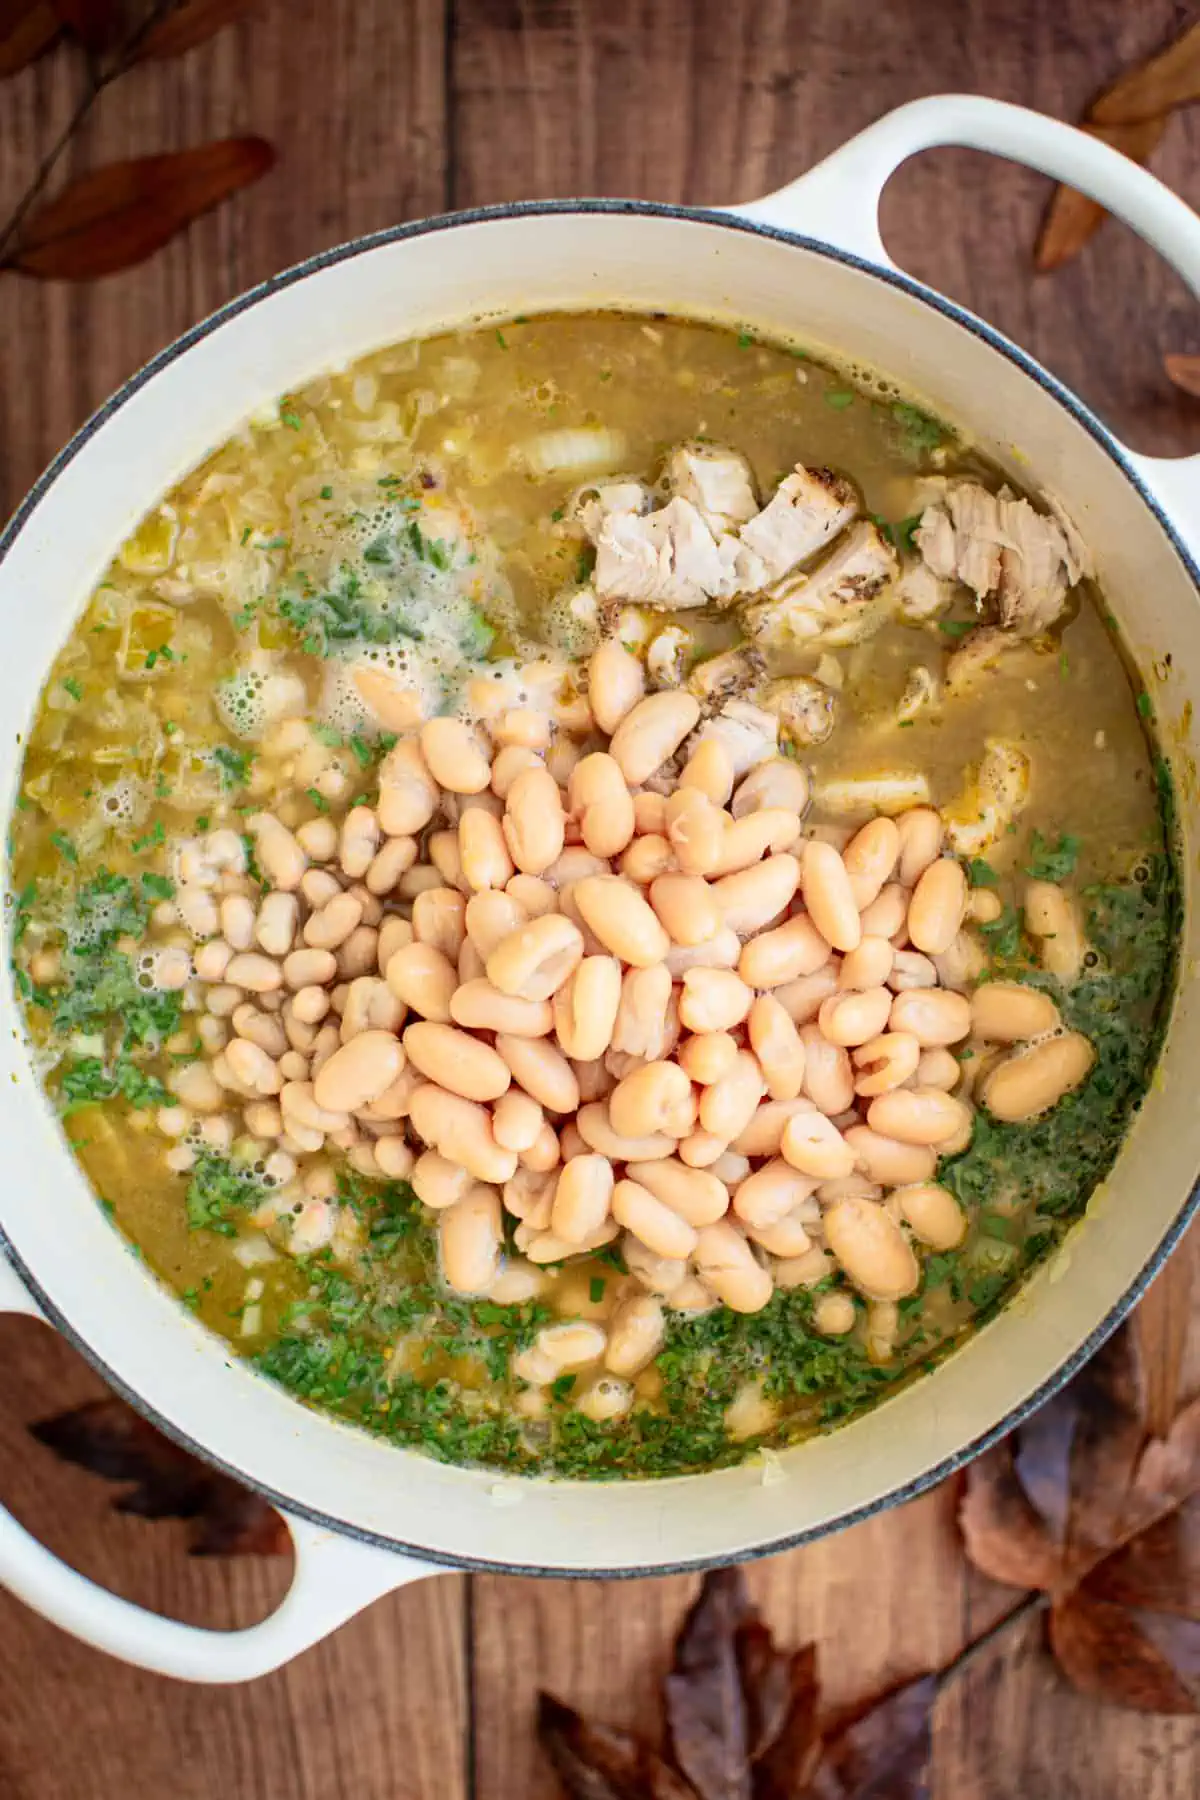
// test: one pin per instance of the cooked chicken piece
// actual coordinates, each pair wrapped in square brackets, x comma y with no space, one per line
[717,481]
[978,653]
[667,558]
[920,594]
[723,677]
[589,506]
[859,796]
[997,544]
[806,512]
[806,710]
[832,601]
[666,656]
[747,733]
[920,691]
[989,803]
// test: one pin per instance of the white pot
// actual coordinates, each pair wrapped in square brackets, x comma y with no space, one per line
[808,261]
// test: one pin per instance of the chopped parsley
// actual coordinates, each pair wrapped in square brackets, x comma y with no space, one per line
[1052,862]
[918,432]
[839,398]
[233,764]
[72,687]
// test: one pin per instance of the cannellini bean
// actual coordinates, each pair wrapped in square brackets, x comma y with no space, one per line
[424,979]
[257,974]
[917,1115]
[223,1000]
[870,857]
[727,1107]
[708,1056]
[616,682]
[658,1226]
[727,1265]
[788,1237]
[887,916]
[788,952]
[602,804]
[1051,917]
[359,841]
[700,1149]
[850,1019]
[652,731]
[490,918]
[251,1067]
[804,1271]
[1005,1012]
[572,1345]
[649,813]
[828,1076]
[585,1008]
[471,1237]
[887,1160]
[687,907]
[460,1130]
[938,906]
[721,951]
[661,1275]
[605,1398]
[657,1097]
[483,850]
[394,934]
[300,1107]
[237,921]
[743,841]
[582,1198]
[871,1249]
[441,847]
[453,755]
[541,1069]
[199,912]
[921,837]
[911,970]
[934,1215]
[1030,1082]
[529,1196]
[408,793]
[932,1015]
[510,762]
[456,1061]
[771,1193]
[278,917]
[543,1154]
[778,1046]
[814,1145]
[764,1134]
[648,859]
[752,898]
[833,1315]
[938,1068]
[713,1000]
[778,783]
[828,895]
[597,1131]
[545,1247]
[358,1072]
[517,1283]
[318,887]
[533,820]
[277,852]
[750,1413]
[326,929]
[438,1182]
[212,960]
[730,1168]
[481,1007]
[886,1062]
[695,1194]
[695,830]
[260,1029]
[620,918]
[359,954]
[869,966]
[535,960]
[394,1158]
[984,906]
[318,839]
[709,768]
[522,725]
[636,1335]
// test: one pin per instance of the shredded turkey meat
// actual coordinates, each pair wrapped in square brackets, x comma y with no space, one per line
[1000,547]
[718,482]
[807,511]
[806,608]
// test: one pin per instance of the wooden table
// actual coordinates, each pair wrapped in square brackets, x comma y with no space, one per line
[383,110]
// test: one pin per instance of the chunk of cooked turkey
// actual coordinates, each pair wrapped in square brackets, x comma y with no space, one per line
[726,676]
[920,594]
[994,796]
[805,708]
[667,558]
[832,601]
[806,512]
[999,545]
[589,506]
[717,481]
[746,733]
[977,653]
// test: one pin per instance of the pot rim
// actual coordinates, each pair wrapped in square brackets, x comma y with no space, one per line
[956,314]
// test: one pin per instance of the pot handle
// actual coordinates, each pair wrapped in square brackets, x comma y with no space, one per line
[838,202]
[335,1577]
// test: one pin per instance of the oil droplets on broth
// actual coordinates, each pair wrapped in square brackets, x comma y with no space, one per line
[549,892]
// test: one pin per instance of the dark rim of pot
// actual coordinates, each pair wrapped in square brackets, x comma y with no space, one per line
[1082,415]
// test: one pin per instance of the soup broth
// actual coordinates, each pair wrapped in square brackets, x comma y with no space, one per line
[511,536]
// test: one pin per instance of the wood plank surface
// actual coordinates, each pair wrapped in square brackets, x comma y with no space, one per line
[383,111]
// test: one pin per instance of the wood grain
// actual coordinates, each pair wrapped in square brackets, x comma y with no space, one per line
[386,109]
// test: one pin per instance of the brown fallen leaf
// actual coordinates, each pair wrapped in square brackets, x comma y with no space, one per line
[108,1438]
[27,30]
[119,215]
[1167,80]
[1072,218]
[189,25]
[96,23]
[1184,371]
[743,1724]
[1085,1504]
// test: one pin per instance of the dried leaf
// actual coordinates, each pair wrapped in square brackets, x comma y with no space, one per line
[119,215]
[1169,79]
[96,23]
[788,1759]
[27,30]
[769,1682]
[1184,371]
[598,1762]
[189,25]
[1159,1570]
[882,1752]
[1106,1444]
[1104,1651]
[705,1704]
[1071,217]
[108,1438]
[1002,1532]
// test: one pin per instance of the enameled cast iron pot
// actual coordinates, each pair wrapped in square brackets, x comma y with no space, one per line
[365,1516]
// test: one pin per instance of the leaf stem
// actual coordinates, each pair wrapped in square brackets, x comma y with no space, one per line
[1025,1607]
[97,80]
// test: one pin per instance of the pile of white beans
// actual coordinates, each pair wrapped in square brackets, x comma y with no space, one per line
[603,981]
